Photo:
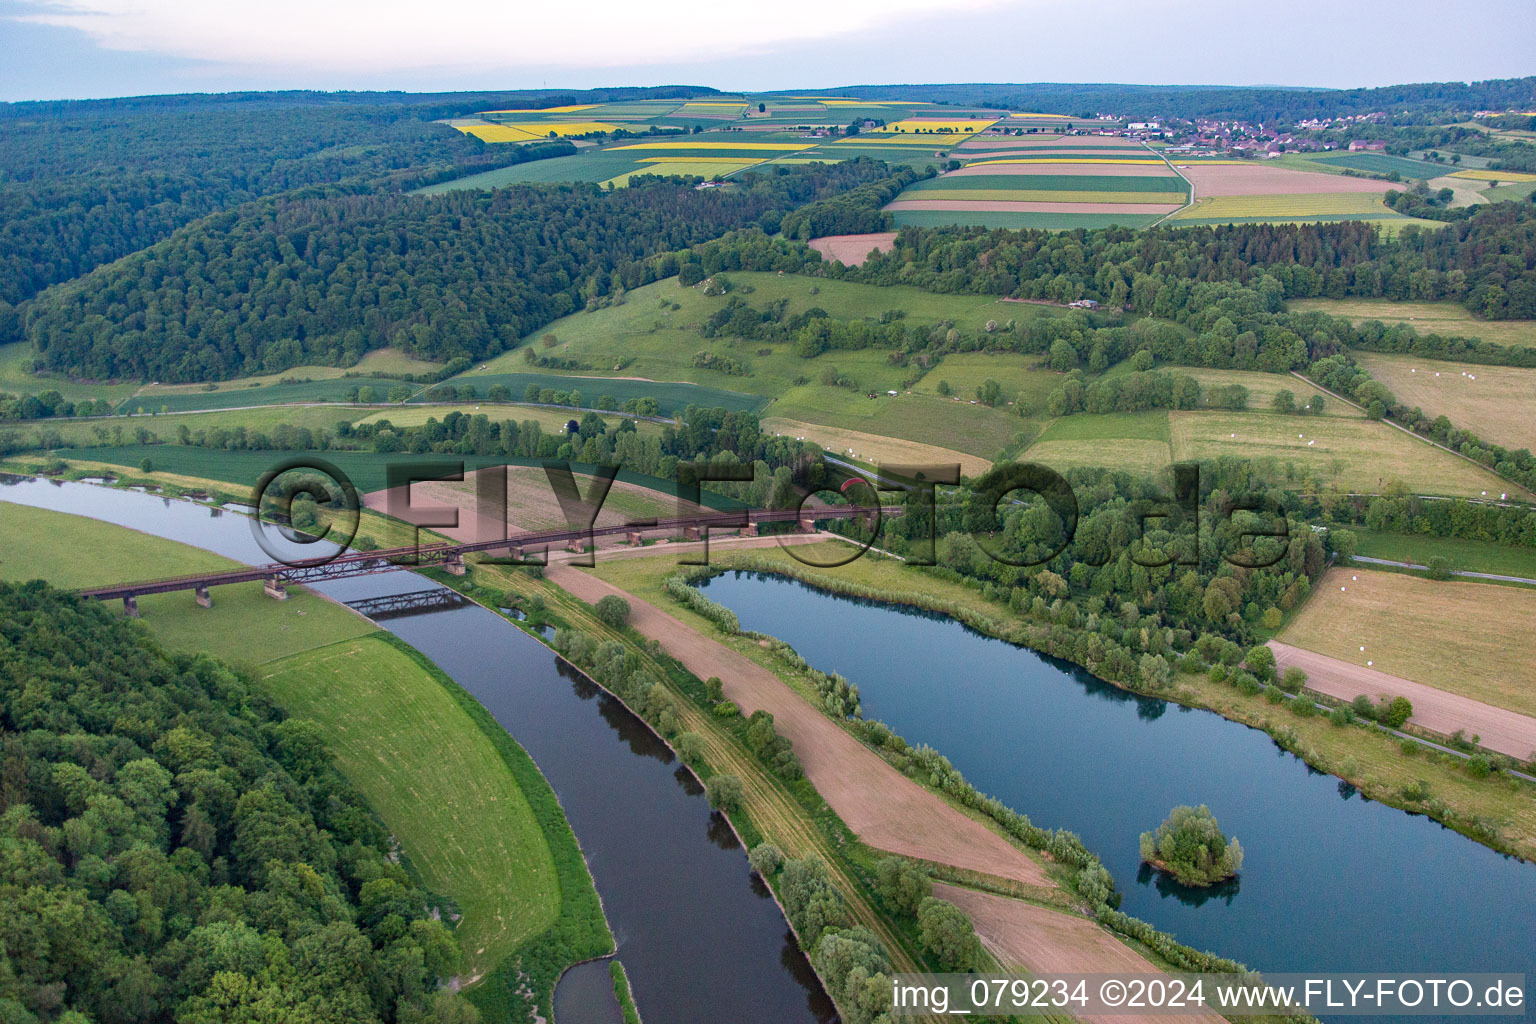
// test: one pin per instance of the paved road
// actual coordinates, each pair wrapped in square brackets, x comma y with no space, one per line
[1454,572]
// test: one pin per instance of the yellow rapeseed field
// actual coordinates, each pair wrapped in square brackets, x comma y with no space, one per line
[545,110]
[934,126]
[1495,175]
[497,133]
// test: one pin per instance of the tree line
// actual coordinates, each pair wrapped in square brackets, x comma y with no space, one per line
[326,275]
[176,850]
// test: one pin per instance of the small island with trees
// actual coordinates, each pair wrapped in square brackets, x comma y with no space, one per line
[1191,847]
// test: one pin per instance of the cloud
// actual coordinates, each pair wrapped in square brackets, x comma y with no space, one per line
[405,35]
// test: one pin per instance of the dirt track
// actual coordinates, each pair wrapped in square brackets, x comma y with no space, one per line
[1507,732]
[852,250]
[1043,941]
[885,808]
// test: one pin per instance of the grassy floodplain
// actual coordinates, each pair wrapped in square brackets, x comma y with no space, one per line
[1466,555]
[475,819]
[1433,632]
[1494,402]
[1445,318]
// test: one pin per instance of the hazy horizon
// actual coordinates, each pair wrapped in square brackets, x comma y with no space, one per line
[86,49]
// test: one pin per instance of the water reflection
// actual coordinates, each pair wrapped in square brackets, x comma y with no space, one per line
[1071,751]
[1190,895]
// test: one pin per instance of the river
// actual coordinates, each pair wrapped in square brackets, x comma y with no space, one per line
[699,935]
[1331,881]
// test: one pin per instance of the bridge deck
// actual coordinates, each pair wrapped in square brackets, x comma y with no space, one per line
[359,563]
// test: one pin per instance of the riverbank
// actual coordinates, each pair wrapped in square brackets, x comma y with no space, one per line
[526,904]
[1499,812]
[1151,950]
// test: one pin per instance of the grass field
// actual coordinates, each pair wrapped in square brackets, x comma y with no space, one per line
[331,389]
[1262,388]
[649,339]
[960,426]
[1022,382]
[438,782]
[1466,555]
[1498,403]
[243,626]
[1379,163]
[671,396]
[367,470]
[16,378]
[1447,318]
[1439,634]
[1136,443]
[876,449]
[549,419]
[1353,455]
[1323,206]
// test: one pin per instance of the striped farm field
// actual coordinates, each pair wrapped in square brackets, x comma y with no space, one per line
[1116,203]
[1126,169]
[958,182]
[1321,205]
[1147,161]
[1027,195]
[972,217]
[1494,175]
[717,147]
[1250,178]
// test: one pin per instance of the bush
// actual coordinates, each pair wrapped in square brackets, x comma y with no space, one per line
[1395,712]
[690,746]
[725,793]
[1363,708]
[612,610]
[1261,662]
[1479,767]
[1342,716]
[1190,846]
[1274,694]
[766,859]
[1293,679]
[948,935]
[903,884]
[1246,684]
[1439,567]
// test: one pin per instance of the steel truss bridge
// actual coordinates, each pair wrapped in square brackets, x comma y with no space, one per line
[450,555]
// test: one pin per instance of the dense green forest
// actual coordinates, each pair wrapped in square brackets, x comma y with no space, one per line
[84,182]
[1246,103]
[325,275]
[171,849]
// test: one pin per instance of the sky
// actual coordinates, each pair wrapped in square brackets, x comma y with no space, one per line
[69,49]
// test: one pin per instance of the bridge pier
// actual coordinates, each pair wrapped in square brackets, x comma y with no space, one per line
[691,533]
[454,565]
[131,606]
[750,530]
[273,588]
[204,599]
[807,526]
[632,538]
[576,546]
